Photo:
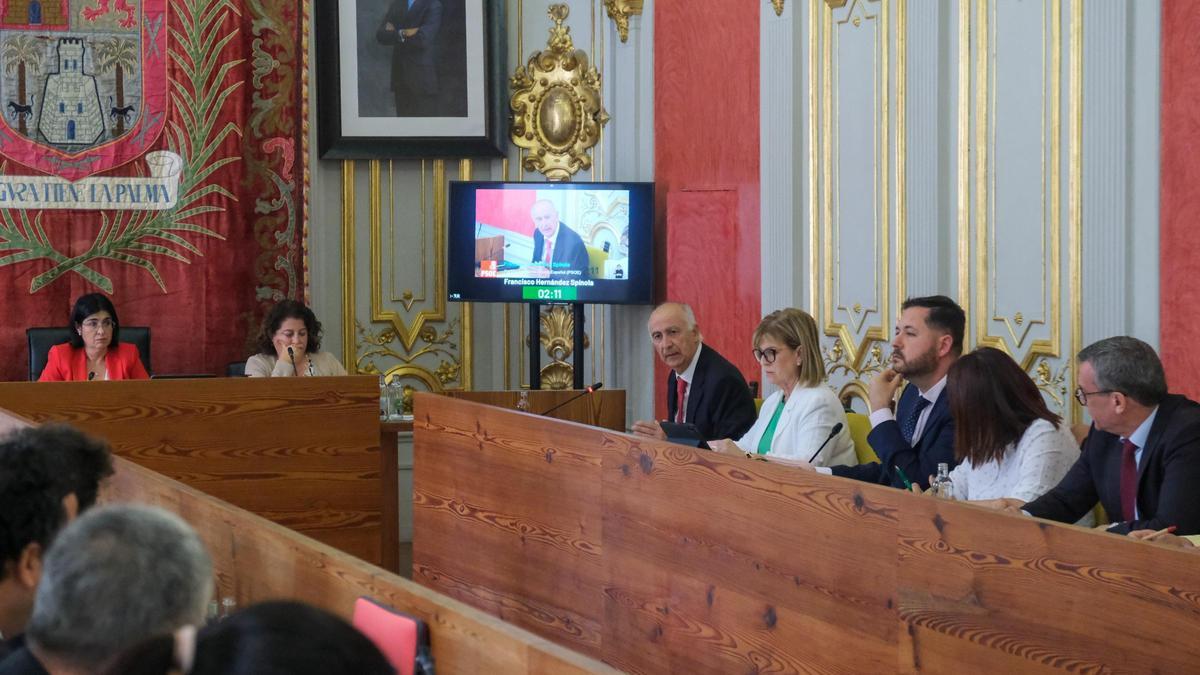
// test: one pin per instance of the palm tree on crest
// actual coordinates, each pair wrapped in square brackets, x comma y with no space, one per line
[23,55]
[117,55]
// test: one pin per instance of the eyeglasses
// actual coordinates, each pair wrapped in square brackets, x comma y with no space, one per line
[93,324]
[1081,395]
[767,355]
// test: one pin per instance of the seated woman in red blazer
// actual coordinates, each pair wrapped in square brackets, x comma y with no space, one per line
[95,351]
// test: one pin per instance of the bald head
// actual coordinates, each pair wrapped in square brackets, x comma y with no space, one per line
[545,217]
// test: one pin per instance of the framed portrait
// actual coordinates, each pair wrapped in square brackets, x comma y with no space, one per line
[410,78]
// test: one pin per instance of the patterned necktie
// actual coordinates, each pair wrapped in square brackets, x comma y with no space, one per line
[908,426]
[1129,480]
[680,391]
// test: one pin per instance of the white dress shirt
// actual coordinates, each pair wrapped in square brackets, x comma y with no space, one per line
[884,414]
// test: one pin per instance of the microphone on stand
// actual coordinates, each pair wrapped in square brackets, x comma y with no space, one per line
[832,432]
[292,356]
[585,392]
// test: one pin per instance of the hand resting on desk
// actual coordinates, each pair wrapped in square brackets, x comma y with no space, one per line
[649,429]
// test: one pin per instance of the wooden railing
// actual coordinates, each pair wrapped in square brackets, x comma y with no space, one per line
[659,558]
[302,452]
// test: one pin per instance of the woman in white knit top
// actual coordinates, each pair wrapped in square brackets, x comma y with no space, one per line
[1007,441]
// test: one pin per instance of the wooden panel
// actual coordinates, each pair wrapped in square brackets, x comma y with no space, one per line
[303,452]
[603,408]
[715,564]
[535,498]
[257,560]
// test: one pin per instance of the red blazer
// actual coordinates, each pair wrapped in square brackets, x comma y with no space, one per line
[66,364]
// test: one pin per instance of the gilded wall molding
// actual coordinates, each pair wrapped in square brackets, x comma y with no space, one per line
[859,325]
[620,11]
[409,336]
[778,5]
[556,110]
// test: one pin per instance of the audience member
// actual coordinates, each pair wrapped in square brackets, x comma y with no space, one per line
[48,475]
[911,443]
[272,638]
[1007,441]
[703,388]
[799,418]
[116,576]
[1141,459]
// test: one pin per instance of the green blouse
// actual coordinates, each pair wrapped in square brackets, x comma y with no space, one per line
[764,443]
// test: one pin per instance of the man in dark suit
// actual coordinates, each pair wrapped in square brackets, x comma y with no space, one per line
[920,435]
[713,392]
[555,245]
[1141,459]
[411,27]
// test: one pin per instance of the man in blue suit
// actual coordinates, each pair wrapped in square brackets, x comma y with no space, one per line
[555,245]
[929,339]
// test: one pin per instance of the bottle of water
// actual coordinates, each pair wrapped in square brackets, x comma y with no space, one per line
[385,398]
[942,486]
[523,400]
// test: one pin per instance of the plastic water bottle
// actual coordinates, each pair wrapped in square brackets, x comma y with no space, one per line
[385,398]
[523,400]
[942,486]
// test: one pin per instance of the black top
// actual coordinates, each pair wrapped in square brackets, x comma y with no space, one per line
[718,399]
[16,659]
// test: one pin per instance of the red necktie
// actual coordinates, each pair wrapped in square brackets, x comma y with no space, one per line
[680,392]
[549,252]
[1129,479]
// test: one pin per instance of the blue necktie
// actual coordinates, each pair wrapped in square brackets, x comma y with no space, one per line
[908,425]
[410,3]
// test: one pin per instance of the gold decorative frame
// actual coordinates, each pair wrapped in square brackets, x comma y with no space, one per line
[847,354]
[620,11]
[556,110]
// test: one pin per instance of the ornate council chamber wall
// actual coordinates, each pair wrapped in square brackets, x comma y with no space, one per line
[997,152]
[378,237]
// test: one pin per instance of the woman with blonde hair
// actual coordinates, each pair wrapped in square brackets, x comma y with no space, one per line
[796,420]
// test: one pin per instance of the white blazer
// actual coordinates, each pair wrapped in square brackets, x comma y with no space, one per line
[807,418]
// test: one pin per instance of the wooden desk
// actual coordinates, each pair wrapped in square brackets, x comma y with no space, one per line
[256,560]
[303,452]
[660,558]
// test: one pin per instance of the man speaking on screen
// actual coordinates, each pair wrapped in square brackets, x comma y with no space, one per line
[556,246]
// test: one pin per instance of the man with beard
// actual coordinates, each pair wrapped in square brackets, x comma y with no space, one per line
[920,435]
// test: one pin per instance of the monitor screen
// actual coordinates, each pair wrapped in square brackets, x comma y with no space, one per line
[551,242]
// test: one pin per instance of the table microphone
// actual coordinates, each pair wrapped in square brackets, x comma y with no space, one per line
[91,375]
[832,432]
[292,356]
[581,394]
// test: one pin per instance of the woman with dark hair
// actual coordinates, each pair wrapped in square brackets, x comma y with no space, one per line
[1007,442]
[289,345]
[271,638]
[95,351]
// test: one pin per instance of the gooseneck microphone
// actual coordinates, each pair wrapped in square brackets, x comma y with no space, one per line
[837,428]
[585,392]
[292,356]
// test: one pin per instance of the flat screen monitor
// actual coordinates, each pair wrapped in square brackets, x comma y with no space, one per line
[551,242]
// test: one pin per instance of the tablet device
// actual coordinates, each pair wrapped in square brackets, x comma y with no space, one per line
[684,433]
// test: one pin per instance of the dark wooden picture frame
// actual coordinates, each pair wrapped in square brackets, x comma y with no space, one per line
[334,143]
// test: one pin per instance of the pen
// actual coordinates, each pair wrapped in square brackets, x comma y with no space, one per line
[907,482]
[1165,530]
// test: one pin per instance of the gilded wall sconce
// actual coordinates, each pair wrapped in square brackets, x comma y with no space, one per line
[556,109]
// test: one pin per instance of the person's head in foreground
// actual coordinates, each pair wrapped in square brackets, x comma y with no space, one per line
[114,577]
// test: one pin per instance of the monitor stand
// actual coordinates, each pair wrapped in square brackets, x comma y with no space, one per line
[535,346]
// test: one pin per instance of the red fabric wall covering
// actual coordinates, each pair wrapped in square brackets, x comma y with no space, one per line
[1179,245]
[706,166]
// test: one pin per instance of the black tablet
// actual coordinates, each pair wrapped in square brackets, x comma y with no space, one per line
[684,433]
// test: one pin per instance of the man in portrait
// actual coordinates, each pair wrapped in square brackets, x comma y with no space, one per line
[411,27]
